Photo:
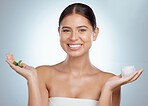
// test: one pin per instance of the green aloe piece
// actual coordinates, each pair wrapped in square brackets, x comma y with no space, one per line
[18,64]
[21,66]
[15,63]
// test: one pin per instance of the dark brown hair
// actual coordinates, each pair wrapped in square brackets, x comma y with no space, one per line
[81,9]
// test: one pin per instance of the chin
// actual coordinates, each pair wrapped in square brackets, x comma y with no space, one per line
[74,54]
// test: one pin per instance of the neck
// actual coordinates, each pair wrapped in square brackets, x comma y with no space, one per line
[78,65]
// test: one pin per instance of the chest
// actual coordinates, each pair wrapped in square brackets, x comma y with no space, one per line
[75,87]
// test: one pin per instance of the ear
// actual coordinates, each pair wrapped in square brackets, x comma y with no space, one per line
[59,30]
[96,32]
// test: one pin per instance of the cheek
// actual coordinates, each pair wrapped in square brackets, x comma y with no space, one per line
[62,41]
[63,38]
[87,38]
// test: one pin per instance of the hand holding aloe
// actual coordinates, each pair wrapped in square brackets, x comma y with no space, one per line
[23,69]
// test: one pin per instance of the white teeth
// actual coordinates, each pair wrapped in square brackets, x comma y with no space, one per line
[74,45]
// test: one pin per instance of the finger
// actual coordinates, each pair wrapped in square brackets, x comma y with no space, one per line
[120,76]
[16,68]
[8,54]
[12,65]
[10,57]
[128,79]
[24,65]
[138,75]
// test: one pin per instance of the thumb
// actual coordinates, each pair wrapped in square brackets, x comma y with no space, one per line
[120,76]
[24,65]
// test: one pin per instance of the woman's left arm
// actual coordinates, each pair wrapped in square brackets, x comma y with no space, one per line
[110,94]
[116,96]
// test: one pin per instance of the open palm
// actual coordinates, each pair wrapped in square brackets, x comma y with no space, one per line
[26,71]
[117,81]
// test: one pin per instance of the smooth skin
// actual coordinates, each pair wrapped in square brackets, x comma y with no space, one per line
[75,77]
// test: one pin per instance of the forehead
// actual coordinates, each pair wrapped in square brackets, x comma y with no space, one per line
[75,20]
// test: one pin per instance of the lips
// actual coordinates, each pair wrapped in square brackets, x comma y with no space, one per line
[74,46]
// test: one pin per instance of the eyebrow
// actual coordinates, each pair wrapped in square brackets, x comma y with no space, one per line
[65,27]
[77,27]
[82,26]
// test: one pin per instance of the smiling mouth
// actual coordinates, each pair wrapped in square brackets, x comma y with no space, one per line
[74,46]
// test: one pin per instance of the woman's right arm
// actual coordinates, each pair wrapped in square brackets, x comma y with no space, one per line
[38,94]
[42,73]
[34,95]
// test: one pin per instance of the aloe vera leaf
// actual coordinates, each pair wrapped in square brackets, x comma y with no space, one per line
[15,63]
[19,62]
[21,66]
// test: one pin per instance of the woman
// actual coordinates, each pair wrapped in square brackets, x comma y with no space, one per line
[74,81]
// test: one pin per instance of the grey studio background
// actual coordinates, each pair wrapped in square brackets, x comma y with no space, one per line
[28,30]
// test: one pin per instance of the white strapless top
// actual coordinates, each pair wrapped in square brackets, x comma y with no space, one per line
[64,101]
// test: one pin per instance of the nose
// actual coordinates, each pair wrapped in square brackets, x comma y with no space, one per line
[74,36]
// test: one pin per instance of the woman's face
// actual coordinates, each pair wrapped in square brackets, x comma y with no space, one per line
[76,35]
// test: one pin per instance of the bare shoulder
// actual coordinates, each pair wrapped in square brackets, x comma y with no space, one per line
[44,71]
[47,71]
[44,68]
[108,75]
[105,75]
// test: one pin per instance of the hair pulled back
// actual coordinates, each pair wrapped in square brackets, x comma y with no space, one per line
[81,9]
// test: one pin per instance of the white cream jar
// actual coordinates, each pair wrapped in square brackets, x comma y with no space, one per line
[127,71]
